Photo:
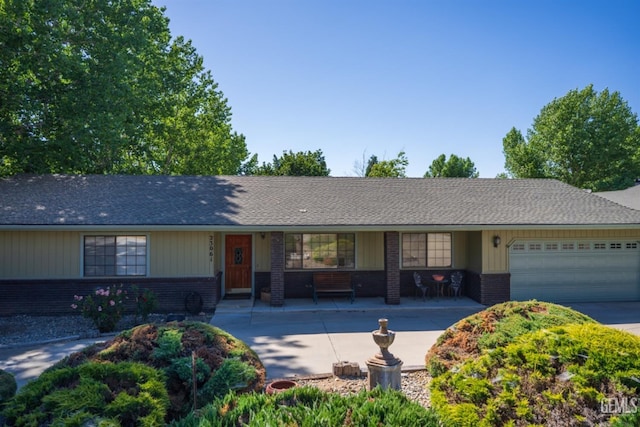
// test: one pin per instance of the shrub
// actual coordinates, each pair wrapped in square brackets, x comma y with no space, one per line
[146,302]
[554,376]
[129,394]
[493,328]
[223,362]
[307,406]
[105,307]
[8,386]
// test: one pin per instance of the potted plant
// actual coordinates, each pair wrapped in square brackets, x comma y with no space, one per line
[265,294]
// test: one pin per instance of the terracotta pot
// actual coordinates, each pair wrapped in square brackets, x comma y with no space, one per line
[279,385]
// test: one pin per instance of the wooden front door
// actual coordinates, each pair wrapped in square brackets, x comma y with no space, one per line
[237,264]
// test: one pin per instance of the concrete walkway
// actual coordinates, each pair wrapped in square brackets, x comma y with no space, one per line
[302,338]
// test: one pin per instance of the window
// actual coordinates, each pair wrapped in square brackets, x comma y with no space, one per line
[115,256]
[518,247]
[426,250]
[321,250]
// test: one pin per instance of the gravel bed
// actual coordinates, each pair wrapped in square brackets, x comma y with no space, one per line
[23,330]
[414,385]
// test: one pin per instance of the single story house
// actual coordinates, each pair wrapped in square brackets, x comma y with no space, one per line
[62,235]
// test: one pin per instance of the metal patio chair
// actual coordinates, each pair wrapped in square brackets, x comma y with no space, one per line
[456,283]
[419,285]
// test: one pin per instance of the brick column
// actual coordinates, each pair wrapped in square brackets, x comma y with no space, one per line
[277,269]
[392,266]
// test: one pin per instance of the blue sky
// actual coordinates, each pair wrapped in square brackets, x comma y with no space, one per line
[429,77]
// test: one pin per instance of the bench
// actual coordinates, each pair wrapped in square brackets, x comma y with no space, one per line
[333,282]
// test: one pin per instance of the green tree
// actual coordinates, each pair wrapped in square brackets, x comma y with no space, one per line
[373,160]
[100,87]
[394,168]
[586,139]
[455,167]
[192,133]
[295,164]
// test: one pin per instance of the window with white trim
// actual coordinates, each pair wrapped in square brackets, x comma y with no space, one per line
[320,250]
[115,256]
[426,250]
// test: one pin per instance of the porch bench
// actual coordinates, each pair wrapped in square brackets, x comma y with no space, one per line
[333,282]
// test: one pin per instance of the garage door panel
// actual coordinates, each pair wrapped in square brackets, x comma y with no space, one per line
[575,275]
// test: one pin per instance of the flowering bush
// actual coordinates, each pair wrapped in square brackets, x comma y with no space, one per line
[146,302]
[104,307]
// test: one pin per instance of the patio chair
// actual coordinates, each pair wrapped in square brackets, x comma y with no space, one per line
[456,283]
[419,285]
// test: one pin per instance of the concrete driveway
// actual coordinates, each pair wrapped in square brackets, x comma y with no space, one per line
[307,339]
[303,339]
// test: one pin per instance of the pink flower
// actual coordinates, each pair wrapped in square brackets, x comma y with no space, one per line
[112,303]
[74,306]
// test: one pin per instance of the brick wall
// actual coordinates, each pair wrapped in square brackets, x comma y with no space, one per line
[54,297]
[495,288]
[488,289]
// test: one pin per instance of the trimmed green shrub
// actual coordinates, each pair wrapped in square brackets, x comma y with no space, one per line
[223,362]
[496,327]
[115,394]
[308,406]
[8,386]
[559,375]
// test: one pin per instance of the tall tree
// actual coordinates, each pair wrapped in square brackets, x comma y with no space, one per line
[373,160]
[454,167]
[100,87]
[394,168]
[295,164]
[585,138]
[192,133]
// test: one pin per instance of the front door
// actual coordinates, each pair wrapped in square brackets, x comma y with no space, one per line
[238,264]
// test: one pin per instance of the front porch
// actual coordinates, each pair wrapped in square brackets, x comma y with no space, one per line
[342,304]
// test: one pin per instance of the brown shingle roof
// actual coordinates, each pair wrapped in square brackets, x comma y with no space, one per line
[251,201]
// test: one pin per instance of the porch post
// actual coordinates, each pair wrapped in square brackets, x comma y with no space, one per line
[392,266]
[277,268]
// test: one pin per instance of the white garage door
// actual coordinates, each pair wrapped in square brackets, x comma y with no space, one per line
[575,271]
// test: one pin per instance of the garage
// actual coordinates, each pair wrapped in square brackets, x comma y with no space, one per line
[575,270]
